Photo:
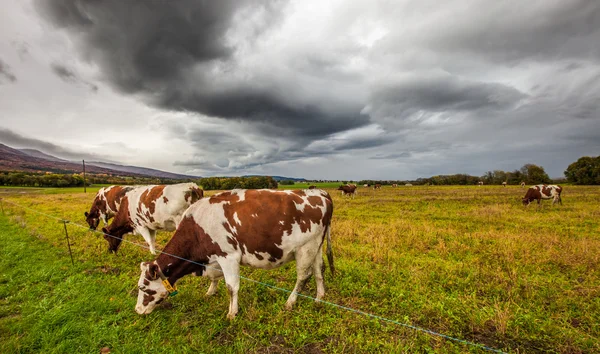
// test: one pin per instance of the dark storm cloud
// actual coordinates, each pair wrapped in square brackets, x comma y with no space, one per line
[165,50]
[18,141]
[69,75]
[399,99]
[6,72]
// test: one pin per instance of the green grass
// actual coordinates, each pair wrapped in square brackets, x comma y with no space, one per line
[470,262]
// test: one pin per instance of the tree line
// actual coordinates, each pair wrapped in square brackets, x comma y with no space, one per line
[44,179]
[223,183]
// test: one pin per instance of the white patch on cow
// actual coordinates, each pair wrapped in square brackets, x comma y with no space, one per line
[237,220]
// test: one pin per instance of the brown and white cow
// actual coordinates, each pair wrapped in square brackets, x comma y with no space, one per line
[348,189]
[377,186]
[542,191]
[105,205]
[256,228]
[523,184]
[394,185]
[503,184]
[146,209]
[480,183]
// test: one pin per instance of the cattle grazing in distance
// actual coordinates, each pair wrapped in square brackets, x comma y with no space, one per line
[146,209]
[523,184]
[542,191]
[366,185]
[312,187]
[480,183]
[348,189]
[410,185]
[105,205]
[394,185]
[256,228]
[377,186]
[503,184]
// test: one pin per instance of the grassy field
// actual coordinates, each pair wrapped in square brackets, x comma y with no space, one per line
[469,262]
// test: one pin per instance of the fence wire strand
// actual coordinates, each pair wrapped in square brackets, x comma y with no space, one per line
[346,308]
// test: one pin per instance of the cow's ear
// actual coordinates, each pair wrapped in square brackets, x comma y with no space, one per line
[153,271]
[86,214]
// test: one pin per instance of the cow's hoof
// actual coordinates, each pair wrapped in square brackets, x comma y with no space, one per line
[231,316]
[289,306]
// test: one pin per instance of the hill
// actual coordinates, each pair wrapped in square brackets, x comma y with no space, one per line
[31,160]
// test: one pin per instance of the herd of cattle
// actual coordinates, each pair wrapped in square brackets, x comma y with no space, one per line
[215,235]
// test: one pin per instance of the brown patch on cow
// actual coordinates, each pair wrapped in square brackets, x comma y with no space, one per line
[263,233]
[315,201]
[547,191]
[150,196]
[224,198]
[194,194]
[146,282]
[165,200]
[114,196]
[147,299]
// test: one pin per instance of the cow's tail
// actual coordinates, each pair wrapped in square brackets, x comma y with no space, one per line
[329,252]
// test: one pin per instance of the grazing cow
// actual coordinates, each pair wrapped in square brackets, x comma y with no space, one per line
[523,184]
[409,185]
[377,186]
[394,185]
[257,228]
[503,184]
[480,183]
[366,185]
[149,208]
[348,189]
[542,191]
[105,205]
[312,187]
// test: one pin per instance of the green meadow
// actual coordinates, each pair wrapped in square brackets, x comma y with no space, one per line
[468,262]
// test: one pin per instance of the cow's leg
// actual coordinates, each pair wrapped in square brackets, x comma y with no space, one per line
[305,258]
[318,272]
[231,273]
[150,238]
[215,275]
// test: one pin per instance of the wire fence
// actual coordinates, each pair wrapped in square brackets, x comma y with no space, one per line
[346,308]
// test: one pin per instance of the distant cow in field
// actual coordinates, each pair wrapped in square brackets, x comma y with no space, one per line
[480,183]
[149,208]
[394,185]
[105,205]
[542,191]
[409,185]
[257,228]
[366,185]
[312,187]
[503,184]
[523,184]
[377,186]
[348,189]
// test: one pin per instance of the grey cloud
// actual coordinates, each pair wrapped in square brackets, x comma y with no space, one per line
[6,72]
[171,53]
[398,99]
[68,75]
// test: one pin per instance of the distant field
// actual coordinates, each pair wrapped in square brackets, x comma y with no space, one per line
[469,262]
[304,185]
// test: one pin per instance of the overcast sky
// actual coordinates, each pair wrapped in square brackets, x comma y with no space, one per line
[315,89]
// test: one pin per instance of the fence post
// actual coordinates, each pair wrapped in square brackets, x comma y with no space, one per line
[68,242]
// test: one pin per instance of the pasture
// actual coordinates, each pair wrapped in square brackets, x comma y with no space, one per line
[469,262]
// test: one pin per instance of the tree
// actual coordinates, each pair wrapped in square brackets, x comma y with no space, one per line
[586,170]
[534,174]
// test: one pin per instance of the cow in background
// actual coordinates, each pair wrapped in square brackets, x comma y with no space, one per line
[312,187]
[394,185]
[348,189]
[542,191]
[523,184]
[377,186]
[503,184]
[105,205]
[146,209]
[256,228]
[480,183]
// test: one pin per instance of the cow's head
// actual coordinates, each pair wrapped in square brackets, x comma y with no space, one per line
[341,188]
[526,201]
[92,218]
[151,288]
[114,239]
